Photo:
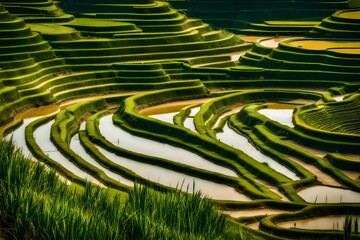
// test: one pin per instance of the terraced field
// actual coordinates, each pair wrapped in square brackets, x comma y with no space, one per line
[119,93]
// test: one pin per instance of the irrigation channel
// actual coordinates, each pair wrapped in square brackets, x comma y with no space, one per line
[332,190]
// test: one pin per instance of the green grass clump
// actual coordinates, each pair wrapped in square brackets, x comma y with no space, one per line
[35,204]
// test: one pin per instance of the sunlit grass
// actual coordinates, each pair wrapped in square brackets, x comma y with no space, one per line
[35,204]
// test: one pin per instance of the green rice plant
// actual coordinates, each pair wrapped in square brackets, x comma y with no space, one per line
[174,215]
[37,205]
[347,227]
[350,226]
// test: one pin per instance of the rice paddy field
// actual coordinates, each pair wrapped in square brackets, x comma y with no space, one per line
[179,119]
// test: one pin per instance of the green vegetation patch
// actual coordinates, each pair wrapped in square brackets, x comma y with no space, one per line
[294,23]
[37,205]
[51,29]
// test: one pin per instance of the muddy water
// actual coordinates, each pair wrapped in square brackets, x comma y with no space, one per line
[326,194]
[315,151]
[149,147]
[76,146]
[253,212]
[331,222]
[283,116]
[233,111]
[174,179]
[235,57]
[273,189]
[240,142]
[321,153]
[42,138]
[320,176]
[254,225]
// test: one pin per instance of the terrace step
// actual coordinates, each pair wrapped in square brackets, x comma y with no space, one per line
[16,63]
[232,15]
[8,41]
[154,55]
[117,15]
[39,46]
[38,11]
[8,94]
[342,24]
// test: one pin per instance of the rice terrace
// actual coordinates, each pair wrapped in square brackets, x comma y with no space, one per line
[180,119]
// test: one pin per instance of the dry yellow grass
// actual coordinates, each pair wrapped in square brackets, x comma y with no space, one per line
[291,23]
[325,45]
[347,50]
[350,14]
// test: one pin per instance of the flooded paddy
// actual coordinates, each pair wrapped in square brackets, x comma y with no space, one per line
[315,151]
[273,189]
[165,117]
[273,42]
[339,98]
[42,138]
[331,222]
[194,111]
[76,146]
[234,139]
[189,123]
[235,57]
[252,212]
[174,179]
[125,140]
[282,116]
[254,225]
[327,194]
[231,112]
[18,137]
[320,176]
[279,112]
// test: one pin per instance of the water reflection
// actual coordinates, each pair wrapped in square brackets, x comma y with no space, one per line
[42,138]
[339,98]
[253,212]
[165,117]
[326,194]
[331,222]
[189,123]
[149,147]
[194,111]
[18,137]
[174,179]
[283,116]
[76,146]
[232,138]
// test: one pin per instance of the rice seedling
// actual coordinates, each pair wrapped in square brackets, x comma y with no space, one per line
[37,205]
